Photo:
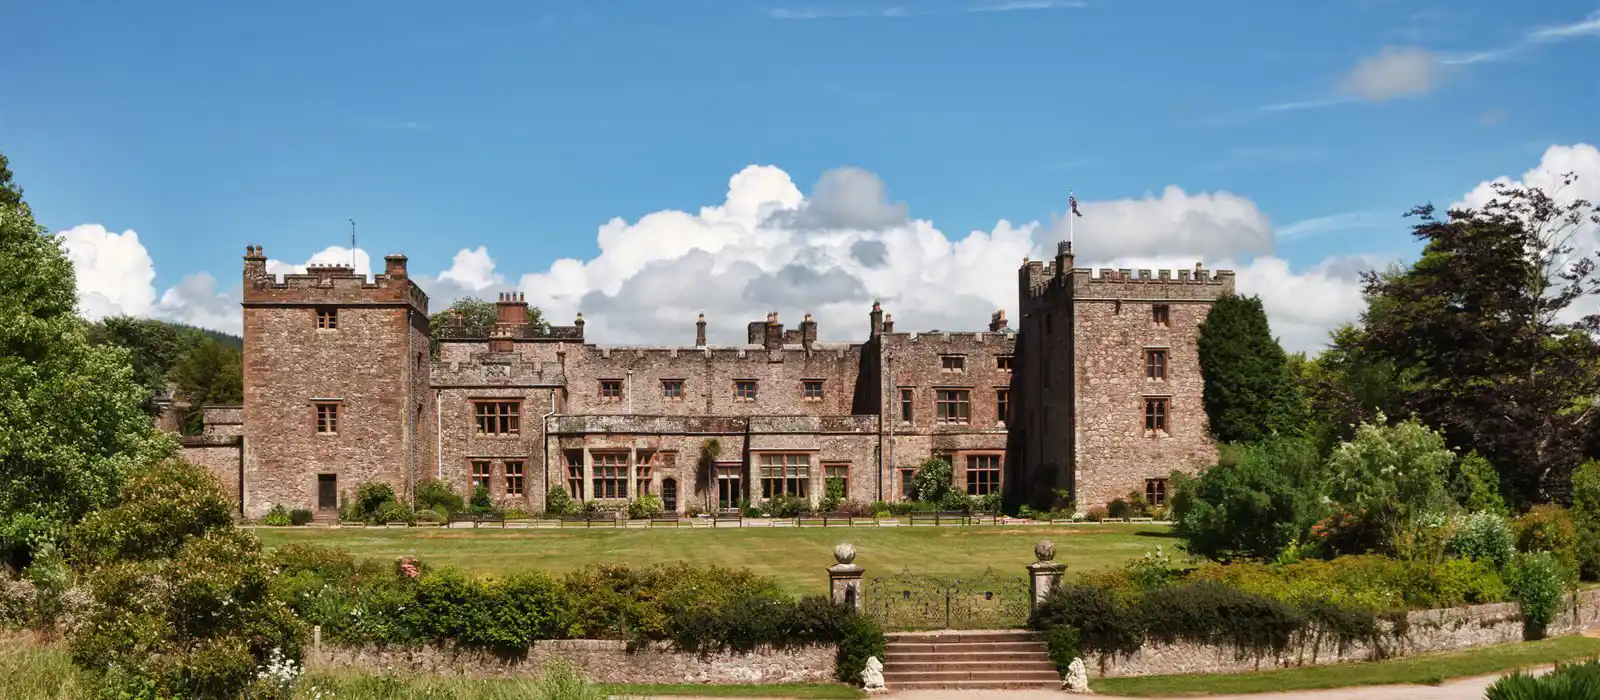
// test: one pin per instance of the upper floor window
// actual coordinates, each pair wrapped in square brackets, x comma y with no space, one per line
[1155,415]
[498,417]
[1002,404]
[1155,363]
[811,389]
[744,390]
[1160,315]
[1003,363]
[952,363]
[327,417]
[327,318]
[611,390]
[953,406]
[905,405]
[672,389]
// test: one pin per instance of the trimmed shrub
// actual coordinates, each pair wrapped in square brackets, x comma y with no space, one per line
[1484,536]
[1105,624]
[300,516]
[786,506]
[557,502]
[482,502]
[370,498]
[164,504]
[1118,509]
[1539,581]
[278,516]
[645,506]
[437,495]
[391,512]
[1064,647]
[1096,514]
[859,638]
[1548,528]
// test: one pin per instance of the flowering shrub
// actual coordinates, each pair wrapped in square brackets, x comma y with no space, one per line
[1548,528]
[1484,536]
[1539,580]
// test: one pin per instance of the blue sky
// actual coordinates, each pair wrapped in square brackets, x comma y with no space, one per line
[525,126]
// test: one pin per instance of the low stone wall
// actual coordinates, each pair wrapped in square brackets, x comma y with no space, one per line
[604,661]
[1428,631]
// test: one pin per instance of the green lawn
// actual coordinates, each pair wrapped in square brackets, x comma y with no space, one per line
[797,557]
[1430,669]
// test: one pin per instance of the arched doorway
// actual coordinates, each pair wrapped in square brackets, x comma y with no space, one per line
[669,494]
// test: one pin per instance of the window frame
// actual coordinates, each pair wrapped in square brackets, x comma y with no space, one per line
[1156,364]
[740,393]
[610,391]
[1161,315]
[609,475]
[792,477]
[483,477]
[1157,416]
[672,389]
[908,402]
[325,417]
[519,476]
[1005,363]
[327,318]
[827,475]
[945,403]
[506,417]
[951,363]
[1002,404]
[1155,491]
[806,386]
[980,464]
[575,475]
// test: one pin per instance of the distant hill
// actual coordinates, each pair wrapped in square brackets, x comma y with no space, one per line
[225,339]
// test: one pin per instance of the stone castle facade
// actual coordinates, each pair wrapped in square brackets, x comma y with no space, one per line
[1097,394]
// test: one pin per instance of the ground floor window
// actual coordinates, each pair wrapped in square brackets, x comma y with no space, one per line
[480,474]
[908,484]
[785,474]
[610,475]
[1155,492]
[840,471]
[641,484]
[514,479]
[730,486]
[983,474]
[575,474]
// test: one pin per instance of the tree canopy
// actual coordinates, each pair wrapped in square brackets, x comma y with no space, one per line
[1250,392]
[70,411]
[477,319]
[1481,330]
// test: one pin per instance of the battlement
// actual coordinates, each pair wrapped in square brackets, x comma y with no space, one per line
[711,425]
[496,369]
[329,284]
[754,353]
[1039,280]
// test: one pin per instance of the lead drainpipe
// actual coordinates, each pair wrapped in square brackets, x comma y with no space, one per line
[411,417]
[438,434]
[894,404]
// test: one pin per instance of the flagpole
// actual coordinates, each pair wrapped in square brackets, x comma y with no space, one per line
[1072,222]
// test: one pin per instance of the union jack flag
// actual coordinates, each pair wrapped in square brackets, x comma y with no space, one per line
[1073,201]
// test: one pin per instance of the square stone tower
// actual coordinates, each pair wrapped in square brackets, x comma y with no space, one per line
[335,380]
[1108,392]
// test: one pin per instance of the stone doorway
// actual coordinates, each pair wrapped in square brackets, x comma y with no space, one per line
[327,492]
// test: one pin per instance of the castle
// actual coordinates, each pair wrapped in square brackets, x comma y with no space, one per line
[1096,394]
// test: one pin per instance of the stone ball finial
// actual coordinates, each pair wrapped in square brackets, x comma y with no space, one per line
[845,553]
[1045,550]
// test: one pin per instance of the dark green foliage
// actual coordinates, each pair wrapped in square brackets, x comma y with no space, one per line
[208,374]
[164,505]
[477,319]
[184,602]
[1250,505]
[1064,646]
[300,516]
[1211,613]
[558,503]
[934,478]
[1579,681]
[1118,509]
[1475,485]
[482,503]
[1539,581]
[277,516]
[1346,386]
[1250,393]
[436,495]
[201,366]
[10,192]
[71,415]
[1479,326]
[1105,624]
[859,639]
[834,496]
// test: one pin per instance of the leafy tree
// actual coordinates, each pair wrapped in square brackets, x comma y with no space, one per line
[477,320]
[1483,324]
[10,193]
[1388,485]
[1476,485]
[934,479]
[1256,501]
[153,347]
[210,373]
[705,471]
[70,412]
[1346,386]
[1250,393]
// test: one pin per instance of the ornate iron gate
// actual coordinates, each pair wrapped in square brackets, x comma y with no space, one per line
[908,601]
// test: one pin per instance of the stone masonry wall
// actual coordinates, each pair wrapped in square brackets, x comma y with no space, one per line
[220,456]
[1429,631]
[603,661]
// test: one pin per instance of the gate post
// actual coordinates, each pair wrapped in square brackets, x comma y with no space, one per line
[1043,575]
[844,578]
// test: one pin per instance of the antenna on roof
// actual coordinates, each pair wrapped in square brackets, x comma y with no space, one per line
[352,243]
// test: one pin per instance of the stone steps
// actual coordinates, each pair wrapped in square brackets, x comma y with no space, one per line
[968,660]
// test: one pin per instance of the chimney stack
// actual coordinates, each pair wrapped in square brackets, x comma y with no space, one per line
[394,266]
[1064,258]
[773,337]
[808,332]
[510,314]
[877,319]
[888,323]
[997,322]
[578,324]
[255,263]
[700,332]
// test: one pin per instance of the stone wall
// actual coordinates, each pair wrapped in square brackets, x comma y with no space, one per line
[221,456]
[605,661]
[1429,631]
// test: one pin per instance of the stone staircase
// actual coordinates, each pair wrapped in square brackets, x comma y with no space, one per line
[968,659]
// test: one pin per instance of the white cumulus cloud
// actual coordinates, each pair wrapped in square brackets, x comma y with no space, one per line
[114,271]
[1393,72]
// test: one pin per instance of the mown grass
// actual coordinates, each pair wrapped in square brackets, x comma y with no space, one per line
[32,670]
[798,558]
[1430,669]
